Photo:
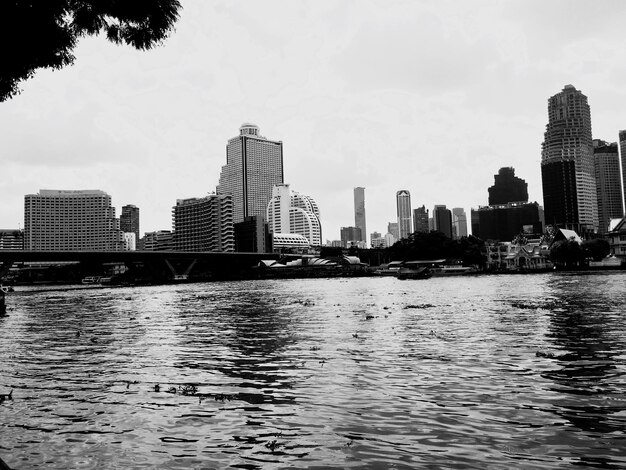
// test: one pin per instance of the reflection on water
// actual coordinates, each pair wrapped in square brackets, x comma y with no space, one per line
[475,372]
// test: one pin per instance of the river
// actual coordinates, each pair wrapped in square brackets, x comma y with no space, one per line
[478,372]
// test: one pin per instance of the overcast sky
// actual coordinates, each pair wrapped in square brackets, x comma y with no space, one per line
[429,96]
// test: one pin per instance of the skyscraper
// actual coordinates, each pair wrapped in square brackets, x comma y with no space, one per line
[359,211]
[71,221]
[459,222]
[204,224]
[567,168]
[608,184]
[403,203]
[442,219]
[129,220]
[420,220]
[291,212]
[507,188]
[622,149]
[254,165]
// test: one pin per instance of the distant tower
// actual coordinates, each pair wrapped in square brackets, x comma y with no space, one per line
[254,165]
[507,188]
[622,149]
[608,184]
[442,219]
[403,203]
[359,211]
[392,228]
[420,220]
[567,164]
[129,220]
[459,222]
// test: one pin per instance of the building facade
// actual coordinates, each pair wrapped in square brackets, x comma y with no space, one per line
[350,236]
[129,220]
[56,220]
[11,239]
[505,221]
[442,220]
[253,235]
[359,211]
[161,240]
[507,188]
[403,204]
[622,149]
[254,165]
[459,222]
[204,224]
[420,220]
[291,212]
[608,183]
[567,164]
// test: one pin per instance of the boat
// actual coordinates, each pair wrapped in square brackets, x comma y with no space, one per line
[452,270]
[91,280]
[411,273]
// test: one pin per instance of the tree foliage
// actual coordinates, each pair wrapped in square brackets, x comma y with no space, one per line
[436,245]
[567,252]
[596,249]
[39,34]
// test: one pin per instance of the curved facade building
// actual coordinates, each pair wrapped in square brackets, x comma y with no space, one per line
[290,212]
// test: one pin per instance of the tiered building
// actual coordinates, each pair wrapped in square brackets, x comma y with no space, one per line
[567,163]
[254,165]
[11,239]
[57,220]
[204,224]
[289,212]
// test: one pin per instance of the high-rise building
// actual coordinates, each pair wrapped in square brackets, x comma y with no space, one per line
[567,168]
[420,220]
[291,212]
[392,228]
[350,236]
[442,219]
[503,222]
[253,235]
[57,220]
[608,183]
[129,220]
[161,240]
[12,239]
[204,224]
[459,222]
[254,165]
[359,211]
[507,188]
[403,204]
[622,149]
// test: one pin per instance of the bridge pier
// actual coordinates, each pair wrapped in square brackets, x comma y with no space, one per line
[186,271]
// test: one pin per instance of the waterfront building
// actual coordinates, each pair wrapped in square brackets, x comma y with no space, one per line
[420,220]
[350,236]
[254,165]
[204,224]
[392,228]
[504,222]
[290,242]
[567,163]
[129,220]
[617,237]
[289,211]
[84,220]
[403,204]
[459,222]
[359,211]
[608,183]
[442,220]
[507,188]
[161,240]
[11,239]
[253,236]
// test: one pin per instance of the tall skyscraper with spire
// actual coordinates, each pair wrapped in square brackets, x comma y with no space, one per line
[403,203]
[567,164]
[359,211]
[254,165]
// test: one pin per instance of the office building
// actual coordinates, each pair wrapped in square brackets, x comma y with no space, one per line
[56,220]
[459,223]
[204,224]
[392,228]
[567,164]
[359,211]
[622,149]
[503,222]
[254,165]
[507,188]
[253,235]
[420,220]
[608,183]
[403,204]
[442,220]
[350,236]
[11,239]
[161,240]
[129,220]
[291,212]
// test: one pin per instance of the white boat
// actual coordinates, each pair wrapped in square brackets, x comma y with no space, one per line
[91,280]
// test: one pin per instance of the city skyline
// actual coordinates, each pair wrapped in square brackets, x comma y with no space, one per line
[150,127]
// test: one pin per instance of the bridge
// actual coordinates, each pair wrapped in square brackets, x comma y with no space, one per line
[161,265]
